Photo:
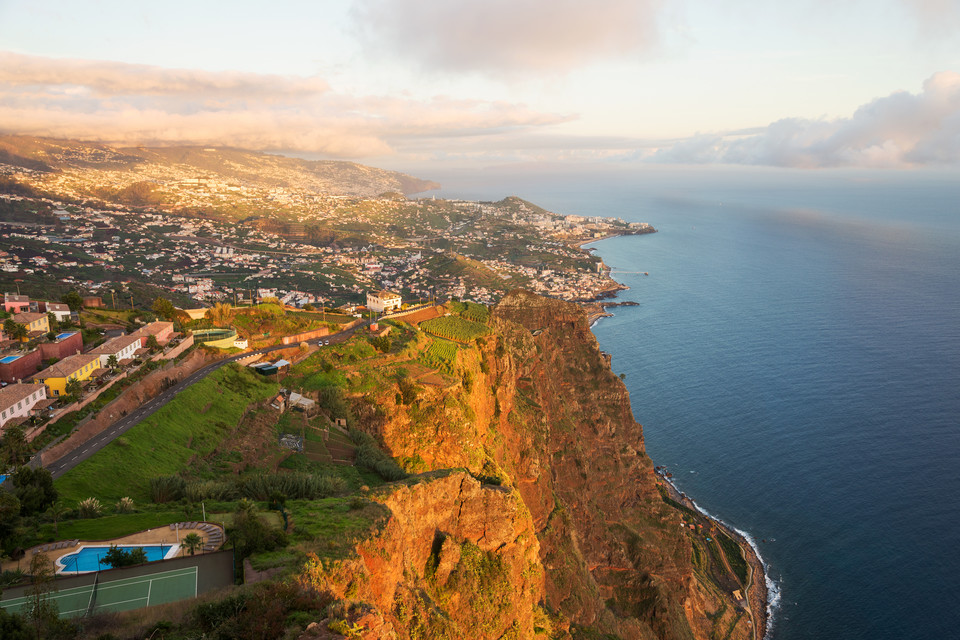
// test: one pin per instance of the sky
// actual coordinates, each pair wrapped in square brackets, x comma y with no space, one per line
[415,84]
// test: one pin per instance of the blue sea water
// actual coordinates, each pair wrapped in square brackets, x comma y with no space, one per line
[795,362]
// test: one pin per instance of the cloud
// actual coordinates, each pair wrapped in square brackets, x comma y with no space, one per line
[898,130]
[508,36]
[128,104]
[936,17]
[117,78]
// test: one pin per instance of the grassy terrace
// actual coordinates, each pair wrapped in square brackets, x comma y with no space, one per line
[193,424]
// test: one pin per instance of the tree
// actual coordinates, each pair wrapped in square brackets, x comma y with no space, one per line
[152,343]
[72,300]
[219,314]
[117,557]
[56,513]
[14,330]
[74,390]
[34,489]
[112,362]
[164,308]
[192,542]
[13,627]
[52,321]
[41,610]
[14,448]
[9,520]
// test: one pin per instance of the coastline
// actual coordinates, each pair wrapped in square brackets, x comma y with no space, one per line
[760,593]
[759,599]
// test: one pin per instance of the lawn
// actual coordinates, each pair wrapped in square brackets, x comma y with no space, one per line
[109,527]
[192,424]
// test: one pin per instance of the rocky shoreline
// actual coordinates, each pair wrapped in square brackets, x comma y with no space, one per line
[758,599]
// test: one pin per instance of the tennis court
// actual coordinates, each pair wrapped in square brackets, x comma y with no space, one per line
[119,595]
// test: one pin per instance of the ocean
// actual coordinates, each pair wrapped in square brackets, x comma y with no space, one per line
[795,362]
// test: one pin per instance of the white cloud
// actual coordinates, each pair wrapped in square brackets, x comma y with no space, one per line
[901,129]
[118,78]
[141,105]
[508,36]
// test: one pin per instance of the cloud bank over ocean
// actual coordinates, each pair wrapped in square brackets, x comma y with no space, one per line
[902,129]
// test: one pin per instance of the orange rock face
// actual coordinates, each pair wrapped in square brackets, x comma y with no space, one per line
[577,536]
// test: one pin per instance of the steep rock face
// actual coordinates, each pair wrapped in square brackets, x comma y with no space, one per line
[539,408]
[587,481]
[456,559]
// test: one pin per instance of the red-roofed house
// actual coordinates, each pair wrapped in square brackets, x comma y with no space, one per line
[162,330]
[17,400]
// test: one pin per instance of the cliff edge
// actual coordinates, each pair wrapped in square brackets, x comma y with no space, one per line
[557,503]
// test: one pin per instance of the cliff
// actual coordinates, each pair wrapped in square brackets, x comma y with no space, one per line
[576,529]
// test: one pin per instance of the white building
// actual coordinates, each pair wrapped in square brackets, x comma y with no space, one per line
[16,400]
[123,347]
[383,301]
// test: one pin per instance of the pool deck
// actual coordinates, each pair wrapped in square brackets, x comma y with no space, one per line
[212,535]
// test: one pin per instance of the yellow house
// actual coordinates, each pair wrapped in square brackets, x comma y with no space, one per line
[78,367]
[36,323]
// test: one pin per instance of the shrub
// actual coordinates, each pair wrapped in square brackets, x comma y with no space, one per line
[89,508]
[167,488]
[372,457]
[124,505]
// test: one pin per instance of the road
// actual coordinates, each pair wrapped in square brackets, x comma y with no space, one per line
[108,435]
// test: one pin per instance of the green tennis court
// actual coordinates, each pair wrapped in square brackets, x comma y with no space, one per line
[119,595]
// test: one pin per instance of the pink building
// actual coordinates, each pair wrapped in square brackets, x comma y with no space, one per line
[20,366]
[65,344]
[17,400]
[13,303]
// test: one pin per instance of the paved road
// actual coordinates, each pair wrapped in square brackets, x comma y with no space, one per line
[91,446]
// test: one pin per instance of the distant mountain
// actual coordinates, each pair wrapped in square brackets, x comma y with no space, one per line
[248,168]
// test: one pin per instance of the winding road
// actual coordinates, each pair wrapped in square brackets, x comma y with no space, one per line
[108,435]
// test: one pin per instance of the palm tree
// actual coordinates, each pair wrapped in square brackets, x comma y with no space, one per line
[192,542]
[112,362]
[55,512]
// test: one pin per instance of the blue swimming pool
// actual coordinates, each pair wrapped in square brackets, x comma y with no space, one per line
[66,334]
[9,359]
[88,557]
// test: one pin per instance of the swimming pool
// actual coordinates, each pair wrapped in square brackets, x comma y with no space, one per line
[66,334]
[87,558]
[9,359]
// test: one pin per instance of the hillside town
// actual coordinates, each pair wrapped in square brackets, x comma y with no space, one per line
[436,249]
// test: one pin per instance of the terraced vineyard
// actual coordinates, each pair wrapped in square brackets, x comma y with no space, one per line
[455,328]
[440,355]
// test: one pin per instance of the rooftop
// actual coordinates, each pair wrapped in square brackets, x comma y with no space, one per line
[114,345]
[14,393]
[67,366]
